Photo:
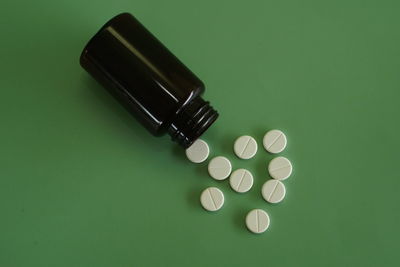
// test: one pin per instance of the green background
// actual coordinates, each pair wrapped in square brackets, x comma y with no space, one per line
[82,184]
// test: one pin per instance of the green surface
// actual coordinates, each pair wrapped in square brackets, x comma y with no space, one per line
[82,184]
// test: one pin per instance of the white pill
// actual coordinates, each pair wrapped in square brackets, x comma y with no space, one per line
[274,141]
[219,168]
[245,147]
[257,221]
[212,199]
[241,180]
[198,151]
[280,168]
[273,191]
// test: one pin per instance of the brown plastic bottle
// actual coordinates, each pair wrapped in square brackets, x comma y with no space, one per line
[144,76]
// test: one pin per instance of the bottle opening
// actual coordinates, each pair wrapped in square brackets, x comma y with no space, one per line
[192,121]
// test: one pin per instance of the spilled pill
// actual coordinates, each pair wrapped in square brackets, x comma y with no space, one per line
[280,168]
[245,147]
[274,141]
[198,151]
[241,180]
[273,191]
[257,221]
[212,199]
[219,168]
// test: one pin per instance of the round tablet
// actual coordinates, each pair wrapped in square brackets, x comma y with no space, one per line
[219,168]
[280,168]
[245,147]
[273,191]
[257,221]
[241,180]
[198,151]
[212,199]
[274,141]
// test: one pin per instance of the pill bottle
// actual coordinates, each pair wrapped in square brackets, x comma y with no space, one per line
[148,80]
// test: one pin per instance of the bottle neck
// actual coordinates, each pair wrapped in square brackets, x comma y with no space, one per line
[191,122]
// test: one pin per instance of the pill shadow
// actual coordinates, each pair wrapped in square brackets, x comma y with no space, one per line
[199,168]
[239,219]
[258,134]
[192,198]
[227,145]
[263,157]
[179,153]
[202,170]
[260,171]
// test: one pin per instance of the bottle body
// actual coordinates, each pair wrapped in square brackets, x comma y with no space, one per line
[144,76]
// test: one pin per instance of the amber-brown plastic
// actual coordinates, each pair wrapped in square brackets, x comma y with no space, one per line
[144,76]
